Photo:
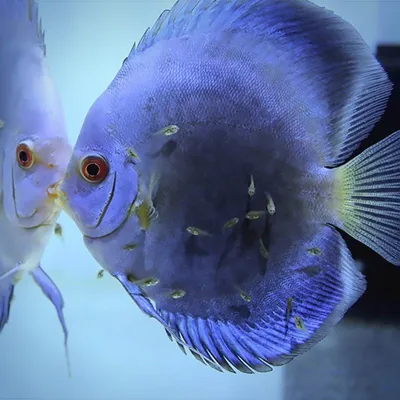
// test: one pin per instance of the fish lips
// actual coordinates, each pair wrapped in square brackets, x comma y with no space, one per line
[95,219]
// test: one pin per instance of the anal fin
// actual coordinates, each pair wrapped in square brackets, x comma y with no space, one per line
[146,306]
[321,285]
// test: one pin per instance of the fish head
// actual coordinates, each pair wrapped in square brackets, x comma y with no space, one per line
[101,183]
[35,156]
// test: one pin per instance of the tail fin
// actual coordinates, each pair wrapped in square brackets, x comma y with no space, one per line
[367,197]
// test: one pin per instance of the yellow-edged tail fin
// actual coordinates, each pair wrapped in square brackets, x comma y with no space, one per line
[367,197]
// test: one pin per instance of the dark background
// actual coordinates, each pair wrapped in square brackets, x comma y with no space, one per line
[381,301]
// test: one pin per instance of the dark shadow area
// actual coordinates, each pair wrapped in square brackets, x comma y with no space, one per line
[360,359]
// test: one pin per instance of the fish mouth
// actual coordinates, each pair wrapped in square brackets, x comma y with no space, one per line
[53,191]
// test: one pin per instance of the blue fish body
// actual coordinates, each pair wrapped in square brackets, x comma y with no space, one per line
[228,132]
[34,154]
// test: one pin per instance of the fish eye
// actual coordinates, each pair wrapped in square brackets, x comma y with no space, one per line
[24,156]
[94,169]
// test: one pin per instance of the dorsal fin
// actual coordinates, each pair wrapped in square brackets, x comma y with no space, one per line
[341,82]
[33,10]
[21,17]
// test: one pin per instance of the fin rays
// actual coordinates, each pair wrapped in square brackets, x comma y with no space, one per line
[26,12]
[368,197]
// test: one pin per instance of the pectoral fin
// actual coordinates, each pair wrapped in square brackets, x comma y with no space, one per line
[52,292]
[6,294]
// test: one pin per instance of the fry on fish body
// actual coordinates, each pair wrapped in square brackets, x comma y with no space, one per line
[252,189]
[197,232]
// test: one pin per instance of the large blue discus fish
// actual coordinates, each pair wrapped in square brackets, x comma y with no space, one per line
[211,176]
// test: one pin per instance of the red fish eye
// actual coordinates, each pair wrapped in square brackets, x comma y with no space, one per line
[24,156]
[94,169]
